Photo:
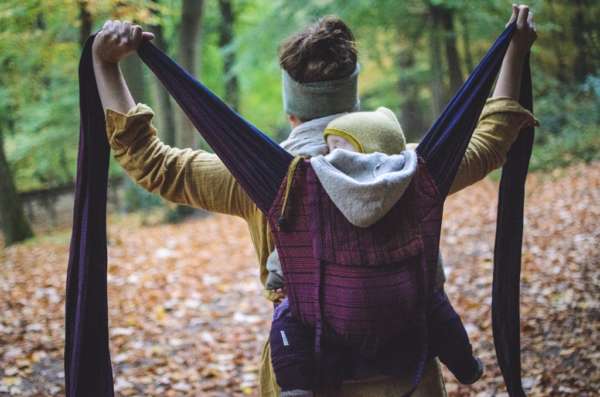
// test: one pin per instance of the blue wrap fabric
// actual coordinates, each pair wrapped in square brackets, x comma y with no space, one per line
[259,165]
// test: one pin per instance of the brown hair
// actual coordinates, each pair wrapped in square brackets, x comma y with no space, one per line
[324,51]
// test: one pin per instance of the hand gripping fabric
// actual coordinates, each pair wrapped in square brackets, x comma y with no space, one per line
[260,166]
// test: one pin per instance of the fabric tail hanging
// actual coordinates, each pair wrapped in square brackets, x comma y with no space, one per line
[507,251]
[87,362]
[439,147]
[88,369]
[259,164]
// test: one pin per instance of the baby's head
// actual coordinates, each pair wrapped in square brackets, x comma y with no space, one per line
[366,132]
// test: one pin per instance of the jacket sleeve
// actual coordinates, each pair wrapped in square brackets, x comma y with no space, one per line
[498,127]
[183,176]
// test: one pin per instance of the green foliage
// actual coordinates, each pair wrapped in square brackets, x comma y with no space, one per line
[38,94]
[570,124]
[39,53]
[179,214]
[564,110]
[582,145]
[137,199]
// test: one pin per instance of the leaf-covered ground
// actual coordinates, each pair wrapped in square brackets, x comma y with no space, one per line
[187,315]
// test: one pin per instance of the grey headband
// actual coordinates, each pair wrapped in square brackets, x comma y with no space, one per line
[309,101]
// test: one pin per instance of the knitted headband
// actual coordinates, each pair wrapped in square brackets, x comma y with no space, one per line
[309,101]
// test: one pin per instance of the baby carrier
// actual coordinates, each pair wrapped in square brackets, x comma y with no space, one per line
[366,288]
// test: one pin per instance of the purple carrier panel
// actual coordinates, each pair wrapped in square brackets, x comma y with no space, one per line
[364,285]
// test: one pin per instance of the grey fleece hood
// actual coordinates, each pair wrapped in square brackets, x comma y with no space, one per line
[307,138]
[364,187]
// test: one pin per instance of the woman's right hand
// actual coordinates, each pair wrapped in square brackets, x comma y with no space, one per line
[510,76]
[118,39]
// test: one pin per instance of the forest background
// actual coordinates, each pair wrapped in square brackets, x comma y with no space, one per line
[414,56]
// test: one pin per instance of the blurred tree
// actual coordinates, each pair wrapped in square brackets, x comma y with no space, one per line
[558,38]
[232,89]
[452,58]
[15,226]
[132,66]
[411,110]
[466,43]
[165,106]
[133,70]
[438,88]
[189,42]
[38,54]
[582,66]
[85,21]
[446,70]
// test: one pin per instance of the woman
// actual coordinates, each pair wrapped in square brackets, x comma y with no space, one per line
[200,179]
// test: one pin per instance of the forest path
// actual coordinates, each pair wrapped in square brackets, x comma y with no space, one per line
[188,318]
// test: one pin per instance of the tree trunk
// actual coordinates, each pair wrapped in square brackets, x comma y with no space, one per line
[557,39]
[132,67]
[189,40]
[582,65]
[86,21]
[133,71]
[435,51]
[232,89]
[411,112]
[454,69]
[466,36]
[165,106]
[15,226]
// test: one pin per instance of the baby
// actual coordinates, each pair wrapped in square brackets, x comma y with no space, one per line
[377,180]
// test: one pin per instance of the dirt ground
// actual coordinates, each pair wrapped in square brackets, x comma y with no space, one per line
[187,317]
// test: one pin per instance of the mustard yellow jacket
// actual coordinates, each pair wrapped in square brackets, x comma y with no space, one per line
[199,179]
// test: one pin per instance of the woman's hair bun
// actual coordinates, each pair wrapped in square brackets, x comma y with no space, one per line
[325,50]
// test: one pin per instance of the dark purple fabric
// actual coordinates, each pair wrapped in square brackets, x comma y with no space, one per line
[364,287]
[293,359]
[260,165]
[292,353]
[88,370]
[439,148]
[259,171]
[257,162]
[507,252]
[315,231]
[448,339]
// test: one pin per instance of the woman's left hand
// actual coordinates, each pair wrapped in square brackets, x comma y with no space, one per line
[526,33]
